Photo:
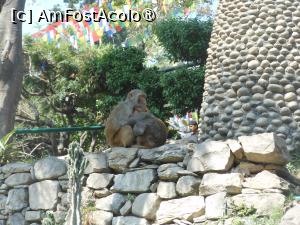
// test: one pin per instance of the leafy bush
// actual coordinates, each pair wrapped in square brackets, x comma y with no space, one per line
[185,40]
[183,89]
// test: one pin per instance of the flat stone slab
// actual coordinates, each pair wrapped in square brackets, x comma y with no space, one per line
[134,182]
[18,179]
[129,220]
[18,167]
[120,158]
[49,168]
[97,163]
[99,180]
[184,208]
[265,148]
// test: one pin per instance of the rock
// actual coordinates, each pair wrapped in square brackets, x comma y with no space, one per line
[126,209]
[112,203]
[18,167]
[33,216]
[16,219]
[160,155]
[3,199]
[215,206]
[43,195]
[132,220]
[211,156]
[169,172]
[60,216]
[18,179]
[98,181]
[266,180]
[264,203]
[184,208]
[145,205]
[292,216]
[213,183]
[166,190]
[100,217]
[265,148]
[102,193]
[120,158]
[97,163]
[134,182]
[251,167]
[188,185]
[235,148]
[49,168]
[17,199]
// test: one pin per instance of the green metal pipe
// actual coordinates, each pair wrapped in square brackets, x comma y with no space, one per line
[55,130]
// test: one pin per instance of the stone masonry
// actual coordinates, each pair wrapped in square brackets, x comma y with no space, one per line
[252,82]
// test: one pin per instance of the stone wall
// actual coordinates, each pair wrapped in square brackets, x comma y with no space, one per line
[176,183]
[252,82]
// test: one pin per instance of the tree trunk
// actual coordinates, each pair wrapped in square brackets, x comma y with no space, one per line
[11,64]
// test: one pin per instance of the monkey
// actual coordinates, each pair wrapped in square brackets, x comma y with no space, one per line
[149,131]
[117,131]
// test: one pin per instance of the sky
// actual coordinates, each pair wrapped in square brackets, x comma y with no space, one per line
[37,6]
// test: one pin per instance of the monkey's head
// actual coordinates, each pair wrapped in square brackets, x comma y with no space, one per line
[137,96]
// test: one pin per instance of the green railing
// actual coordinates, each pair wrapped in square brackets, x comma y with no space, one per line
[54,130]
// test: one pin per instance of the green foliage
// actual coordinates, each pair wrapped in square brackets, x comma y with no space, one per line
[185,40]
[49,219]
[183,89]
[243,210]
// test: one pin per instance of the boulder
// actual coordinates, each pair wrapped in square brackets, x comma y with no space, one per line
[266,180]
[250,167]
[49,168]
[211,156]
[16,219]
[166,190]
[17,167]
[134,182]
[215,206]
[264,203]
[18,179]
[292,216]
[213,183]
[265,148]
[235,148]
[17,199]
[3,199]
[145,205]
[99,181]
[112,203]
[132,220]
[184,208]
[169,172]
[188,185]
[33,216]
[120,158]
[100,217]
[43,195]
[164,154]
[97,163]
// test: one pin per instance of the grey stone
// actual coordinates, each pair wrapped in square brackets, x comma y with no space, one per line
[215,206]
[265,148]
[97,163]
[264,203]
[166,190]
[43,195]
[49,168]
[18,167]
[18,179]
[134,182]
[100,217]
[211,156]
[235,148]
[213,183]
[3,199]
[184,208]
[120,158]
[16,219]
[126,209]
[145,205]
[33,215]
[292,216]
[99,181]
[188,185]
[17,199]
[251,167]
[112,203]
[101,193]
[172,154]
[169,172]
[132,220]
